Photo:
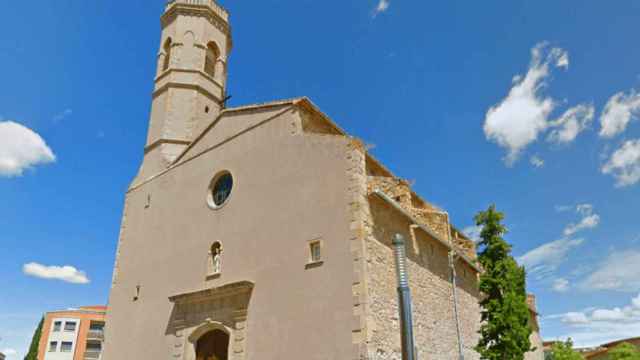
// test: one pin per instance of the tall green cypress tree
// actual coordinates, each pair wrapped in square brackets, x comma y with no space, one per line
[35,342]
[505,328]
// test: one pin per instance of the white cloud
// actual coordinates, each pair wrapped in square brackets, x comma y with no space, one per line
[589,220]
[560,285]
[20,149]
[61,116]
[595,326]
[624,164]
[383,5]
[547,258]
[571,123]
[615,314]
[618,112]
[517,120]
[619,271]
[9,351]
[563,61]
[601,333]
[563,208]
[65,273]
[536,161]
[473,232]
[584,209]
[544,260]
[575,318]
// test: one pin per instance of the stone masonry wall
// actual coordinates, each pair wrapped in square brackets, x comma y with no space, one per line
[535,338]
[434,322]
[375,325]
[538,353]
[359,223]
[435,219]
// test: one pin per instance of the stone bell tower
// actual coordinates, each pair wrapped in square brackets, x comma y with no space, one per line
[190,81]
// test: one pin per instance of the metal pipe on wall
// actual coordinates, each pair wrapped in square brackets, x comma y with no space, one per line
[404,299]
[454,285]
[455,302]
[453,256]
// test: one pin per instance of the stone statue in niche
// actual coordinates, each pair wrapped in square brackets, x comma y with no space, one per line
[215,259]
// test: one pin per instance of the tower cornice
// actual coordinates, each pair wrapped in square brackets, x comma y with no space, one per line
[221,11]
[209,9]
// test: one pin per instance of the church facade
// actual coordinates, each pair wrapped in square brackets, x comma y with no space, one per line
[263,232]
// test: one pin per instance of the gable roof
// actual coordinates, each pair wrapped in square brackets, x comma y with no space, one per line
[308,105]
[222,115]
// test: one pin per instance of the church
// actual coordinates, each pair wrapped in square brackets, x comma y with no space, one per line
[263,232]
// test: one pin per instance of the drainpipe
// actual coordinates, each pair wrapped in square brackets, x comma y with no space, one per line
[452,265]
[404,299]
[455,302]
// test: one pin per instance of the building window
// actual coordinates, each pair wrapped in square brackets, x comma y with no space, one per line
[56,326]
[96,326]
[315,253]
[66,346]
[211,59]
[167,54]
[220,189]
[53,346]
[70,326]
[94,347]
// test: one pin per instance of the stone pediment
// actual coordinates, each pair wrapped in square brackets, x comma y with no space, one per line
[227,290]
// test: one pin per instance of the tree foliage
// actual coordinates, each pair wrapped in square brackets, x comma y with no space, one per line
[35,342]
[506,324]
[624,351]
[564,351]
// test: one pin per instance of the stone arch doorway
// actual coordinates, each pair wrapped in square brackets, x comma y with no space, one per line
[213,345]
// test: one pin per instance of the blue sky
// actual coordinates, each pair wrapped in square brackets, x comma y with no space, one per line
[528,105]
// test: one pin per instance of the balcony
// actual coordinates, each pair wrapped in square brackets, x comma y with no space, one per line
[92,355]
[95,335]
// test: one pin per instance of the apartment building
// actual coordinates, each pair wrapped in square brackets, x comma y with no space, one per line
[73,334]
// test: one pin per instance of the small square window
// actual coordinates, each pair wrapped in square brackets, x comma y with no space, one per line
[96,326]
[66,346]
[94,346]
[316,251]
[53,346]
[57,325]
[70,326]
[315,256]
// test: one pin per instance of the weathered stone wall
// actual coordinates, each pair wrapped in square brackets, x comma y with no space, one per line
[536,341]
[438,222]
[427,214]
[434,322]
[359,220]
[535,338]
[395,188]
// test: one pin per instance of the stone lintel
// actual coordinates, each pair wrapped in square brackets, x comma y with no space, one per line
[237,288]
